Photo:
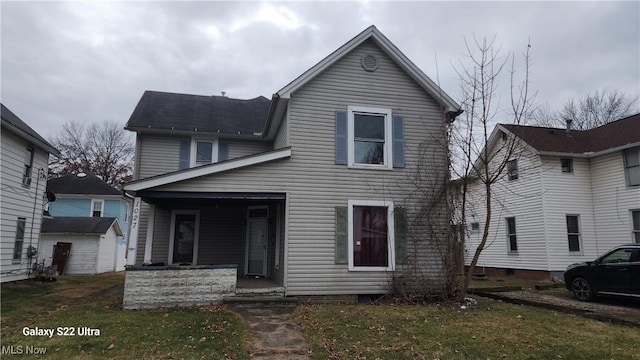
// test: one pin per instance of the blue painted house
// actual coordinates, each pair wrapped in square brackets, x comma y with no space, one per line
[86,195]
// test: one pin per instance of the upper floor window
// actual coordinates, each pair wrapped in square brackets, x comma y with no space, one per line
[369,137]
[512,169]
[511,235]
[28,166]
[204,152]
[573,232]
[97,207]
[632,166]
[567,165]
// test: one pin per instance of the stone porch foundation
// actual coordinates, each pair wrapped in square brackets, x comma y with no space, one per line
[166,286]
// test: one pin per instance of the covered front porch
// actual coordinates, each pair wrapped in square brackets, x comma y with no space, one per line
[195,237]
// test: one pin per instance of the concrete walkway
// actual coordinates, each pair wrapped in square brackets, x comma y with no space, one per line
[274,333]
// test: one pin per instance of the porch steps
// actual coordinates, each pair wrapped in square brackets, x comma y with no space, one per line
[259,300]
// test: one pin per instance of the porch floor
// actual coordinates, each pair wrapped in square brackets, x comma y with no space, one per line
[253,283]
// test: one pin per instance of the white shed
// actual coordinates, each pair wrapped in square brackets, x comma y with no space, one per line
[94,245]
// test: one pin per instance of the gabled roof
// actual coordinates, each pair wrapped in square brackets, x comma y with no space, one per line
[372,33]
[13,123]
[87,185]
[614,135]
[80,225]
[189,114]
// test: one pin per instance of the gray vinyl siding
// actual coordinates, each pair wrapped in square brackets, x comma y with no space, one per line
[315,185]
[240,148]
[160,153]
[281,139]
[18,201]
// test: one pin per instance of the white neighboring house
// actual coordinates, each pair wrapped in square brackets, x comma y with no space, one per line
[94,243]
[25,157]
[566,197]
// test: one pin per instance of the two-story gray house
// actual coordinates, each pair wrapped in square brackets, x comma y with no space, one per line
[308,191]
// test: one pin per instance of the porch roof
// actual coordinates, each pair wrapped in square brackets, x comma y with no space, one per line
[172,196]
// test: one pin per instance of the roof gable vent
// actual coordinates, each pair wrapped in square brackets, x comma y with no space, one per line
[369,62]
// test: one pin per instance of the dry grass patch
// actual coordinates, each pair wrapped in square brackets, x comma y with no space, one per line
[496,330]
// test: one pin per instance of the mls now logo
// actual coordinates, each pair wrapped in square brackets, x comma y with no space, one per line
[19,350]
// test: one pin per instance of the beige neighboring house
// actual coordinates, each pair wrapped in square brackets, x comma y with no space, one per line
[307,191]
[566,196]
[24,161]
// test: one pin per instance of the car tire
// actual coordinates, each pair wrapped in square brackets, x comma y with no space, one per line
[582,289]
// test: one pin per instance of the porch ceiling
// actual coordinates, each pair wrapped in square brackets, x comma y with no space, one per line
[158,197]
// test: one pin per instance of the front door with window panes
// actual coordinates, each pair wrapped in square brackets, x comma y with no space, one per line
[184,238]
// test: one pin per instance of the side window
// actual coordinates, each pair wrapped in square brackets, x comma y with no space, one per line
[97,207]
[567,165]
[512,169]
[369,137]
[573,232]
[511,235]
[632,166]
[28,166]
[17,246]
[371,235]
[635,218]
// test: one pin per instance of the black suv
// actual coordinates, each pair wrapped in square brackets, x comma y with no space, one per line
[615,273]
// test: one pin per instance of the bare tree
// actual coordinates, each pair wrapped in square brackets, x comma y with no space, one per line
[103,149]
[476,161]
[595,109]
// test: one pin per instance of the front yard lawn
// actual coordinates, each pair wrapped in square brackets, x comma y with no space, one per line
[75,303]
[492,330]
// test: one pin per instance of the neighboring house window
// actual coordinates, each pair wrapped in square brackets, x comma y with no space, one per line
[28,166]
[573,232]
[632,166]
[511,235]
[17,247]
[475,227]
[371,235]
[369,138]
[567,165]
[635,215]
[97,208]
[512,169]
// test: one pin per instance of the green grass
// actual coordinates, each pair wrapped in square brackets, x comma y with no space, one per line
[87,301]
[492,331]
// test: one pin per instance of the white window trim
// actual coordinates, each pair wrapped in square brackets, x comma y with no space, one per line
[214,149]
[390,231]
[93,201]
[388,165]
[196,234]
[579,233]
[506,224]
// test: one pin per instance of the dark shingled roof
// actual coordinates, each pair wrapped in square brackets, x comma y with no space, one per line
[197,113]
[78,225]
[12,122]
[609,136]
[89,184]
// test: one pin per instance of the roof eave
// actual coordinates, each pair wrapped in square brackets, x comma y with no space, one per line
[26,136]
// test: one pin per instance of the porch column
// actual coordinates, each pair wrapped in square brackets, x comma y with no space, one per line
[148,246]
[132,241]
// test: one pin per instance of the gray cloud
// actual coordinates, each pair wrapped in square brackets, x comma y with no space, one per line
[91,61]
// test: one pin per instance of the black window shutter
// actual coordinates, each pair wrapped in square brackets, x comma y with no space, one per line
[341,137]
[342,236]
[185,154]
[400,234]
[223,151]
[398,141]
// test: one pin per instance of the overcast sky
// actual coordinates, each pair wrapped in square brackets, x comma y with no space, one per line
[91,61]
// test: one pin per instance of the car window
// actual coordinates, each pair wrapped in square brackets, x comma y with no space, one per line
[618,256]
